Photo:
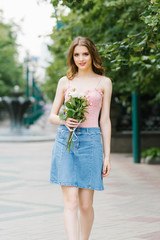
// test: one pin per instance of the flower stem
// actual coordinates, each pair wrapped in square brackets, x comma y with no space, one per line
[70,141]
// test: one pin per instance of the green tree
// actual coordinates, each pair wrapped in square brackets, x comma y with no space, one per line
[137,57]
[126,33]
[11,71]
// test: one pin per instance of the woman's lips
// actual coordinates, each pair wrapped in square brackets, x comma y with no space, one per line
[82,64]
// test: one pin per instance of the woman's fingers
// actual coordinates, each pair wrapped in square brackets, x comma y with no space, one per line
[71,123]
[106,169]
[72,120]
[105,174]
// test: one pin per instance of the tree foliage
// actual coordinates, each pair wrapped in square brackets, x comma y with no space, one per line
[11,71]
[137,57]
[127,34]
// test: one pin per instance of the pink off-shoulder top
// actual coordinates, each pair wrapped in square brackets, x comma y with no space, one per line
[94,97]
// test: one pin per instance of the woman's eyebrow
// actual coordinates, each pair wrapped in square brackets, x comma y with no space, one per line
[82,52]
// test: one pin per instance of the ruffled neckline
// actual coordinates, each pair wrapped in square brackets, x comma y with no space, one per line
[86,91]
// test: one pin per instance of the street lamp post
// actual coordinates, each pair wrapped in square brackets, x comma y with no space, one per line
[27,81]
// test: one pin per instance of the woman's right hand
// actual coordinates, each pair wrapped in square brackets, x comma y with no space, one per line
[71,123]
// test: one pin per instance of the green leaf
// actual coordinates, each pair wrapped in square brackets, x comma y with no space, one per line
[73,101]
[158,67]
[68,105]
[64,109]
[70,113]
[85,111]
[145,58]
[84,104]
[62,116]
[138,49]
[134,59]
[151,57]
[148,66]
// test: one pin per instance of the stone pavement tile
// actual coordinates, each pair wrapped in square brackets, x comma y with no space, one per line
[32,209]
[144,219]
[151,236]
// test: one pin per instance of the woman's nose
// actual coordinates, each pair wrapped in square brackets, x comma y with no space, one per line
[81,57]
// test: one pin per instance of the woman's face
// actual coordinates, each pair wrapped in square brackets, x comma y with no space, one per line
[82,57]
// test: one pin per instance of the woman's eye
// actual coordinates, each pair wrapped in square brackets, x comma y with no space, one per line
[85,54]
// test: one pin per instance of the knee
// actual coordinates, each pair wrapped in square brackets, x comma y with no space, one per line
[86,208]
[71,204]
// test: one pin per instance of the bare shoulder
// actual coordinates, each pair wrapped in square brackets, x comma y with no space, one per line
[106,81]
[106,84]
[63,82]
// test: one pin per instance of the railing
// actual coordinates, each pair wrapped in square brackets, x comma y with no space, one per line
[37,109]
[149,114]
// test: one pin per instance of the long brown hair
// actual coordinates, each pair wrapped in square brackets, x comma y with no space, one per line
[96,60]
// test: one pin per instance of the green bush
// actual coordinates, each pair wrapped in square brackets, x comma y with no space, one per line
[151,153]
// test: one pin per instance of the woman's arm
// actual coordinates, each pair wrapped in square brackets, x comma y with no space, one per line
[105,124]
[57,103]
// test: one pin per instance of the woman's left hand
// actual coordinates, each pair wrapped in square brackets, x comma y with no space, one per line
[106,167]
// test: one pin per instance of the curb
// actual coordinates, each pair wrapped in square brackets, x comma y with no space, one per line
[23,139]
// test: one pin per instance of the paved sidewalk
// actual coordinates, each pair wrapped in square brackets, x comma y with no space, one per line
[32,209]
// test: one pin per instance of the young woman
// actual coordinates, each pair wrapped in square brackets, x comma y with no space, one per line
[81,171]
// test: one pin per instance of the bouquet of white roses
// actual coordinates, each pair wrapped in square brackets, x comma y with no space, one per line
[75,108]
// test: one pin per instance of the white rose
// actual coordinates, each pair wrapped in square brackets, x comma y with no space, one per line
[74,94]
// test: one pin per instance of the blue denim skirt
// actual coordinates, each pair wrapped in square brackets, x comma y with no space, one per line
[82,166]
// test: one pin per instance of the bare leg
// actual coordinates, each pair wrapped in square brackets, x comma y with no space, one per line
[70,196]
[86,212]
